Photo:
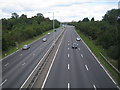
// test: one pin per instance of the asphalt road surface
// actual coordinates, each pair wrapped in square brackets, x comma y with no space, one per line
[17,67]
[76,68]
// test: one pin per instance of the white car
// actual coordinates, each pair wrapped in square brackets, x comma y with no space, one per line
[78,38]
[25,47]
[44,39]
[48,33]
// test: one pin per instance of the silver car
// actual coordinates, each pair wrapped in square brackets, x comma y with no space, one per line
[25,47]
[78,38]
[44,39]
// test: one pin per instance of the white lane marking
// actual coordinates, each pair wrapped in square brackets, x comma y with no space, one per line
[51,64]
[107,73]
[78,48]
[3,82]
[97,60]
[68,44]
[86,67]
[68,66]
[68,48]
[94,87]
[68,55]
[33,54]
[23,63]
[118,87]
[20,54]
[82,55]
[6,64]
[68,41]
[68,86]
[35,68]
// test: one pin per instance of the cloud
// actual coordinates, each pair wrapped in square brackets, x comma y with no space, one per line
[65,10]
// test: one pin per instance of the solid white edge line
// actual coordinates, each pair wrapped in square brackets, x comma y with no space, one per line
[94,87]
[3,82]
[98,60]
[86,67]
[118,87]
[35,67]
[68,86]
[68,66]
[51,65]
[68,55]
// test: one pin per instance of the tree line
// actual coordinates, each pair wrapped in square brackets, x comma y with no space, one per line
[20,28]
[105,33]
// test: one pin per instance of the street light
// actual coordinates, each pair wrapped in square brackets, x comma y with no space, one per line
[53,28]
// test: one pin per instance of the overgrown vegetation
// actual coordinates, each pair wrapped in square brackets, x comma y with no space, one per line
[17,29]
[104,33]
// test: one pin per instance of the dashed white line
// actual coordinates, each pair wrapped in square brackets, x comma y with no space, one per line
[68,41]
[78,48]
[20,54]
[97,60]
[68,44]
[3,82]
[68,48]
[68,55]
[6,64]
[23,63]
[68,66]
[68,86]
[82,55]
[94,87]
[86,67]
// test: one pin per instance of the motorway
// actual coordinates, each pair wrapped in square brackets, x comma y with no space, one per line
[18,66]
[71,68]
[76,68]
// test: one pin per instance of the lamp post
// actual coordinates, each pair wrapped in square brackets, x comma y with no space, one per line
[53,28]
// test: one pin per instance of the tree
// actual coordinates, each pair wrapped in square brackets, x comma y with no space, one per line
[92,19]
[85,20]
[15,15]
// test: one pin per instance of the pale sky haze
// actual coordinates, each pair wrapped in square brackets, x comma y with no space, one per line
[64,10]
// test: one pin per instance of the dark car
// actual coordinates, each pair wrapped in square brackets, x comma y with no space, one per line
[74,45]
[25,47]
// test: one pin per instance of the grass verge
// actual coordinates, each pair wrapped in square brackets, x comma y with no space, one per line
[13,49]
[96,50]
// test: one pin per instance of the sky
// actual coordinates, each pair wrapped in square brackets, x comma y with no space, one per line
[64,10]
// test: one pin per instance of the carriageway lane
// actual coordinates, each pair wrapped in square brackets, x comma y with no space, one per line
[83,72]
[17,71]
